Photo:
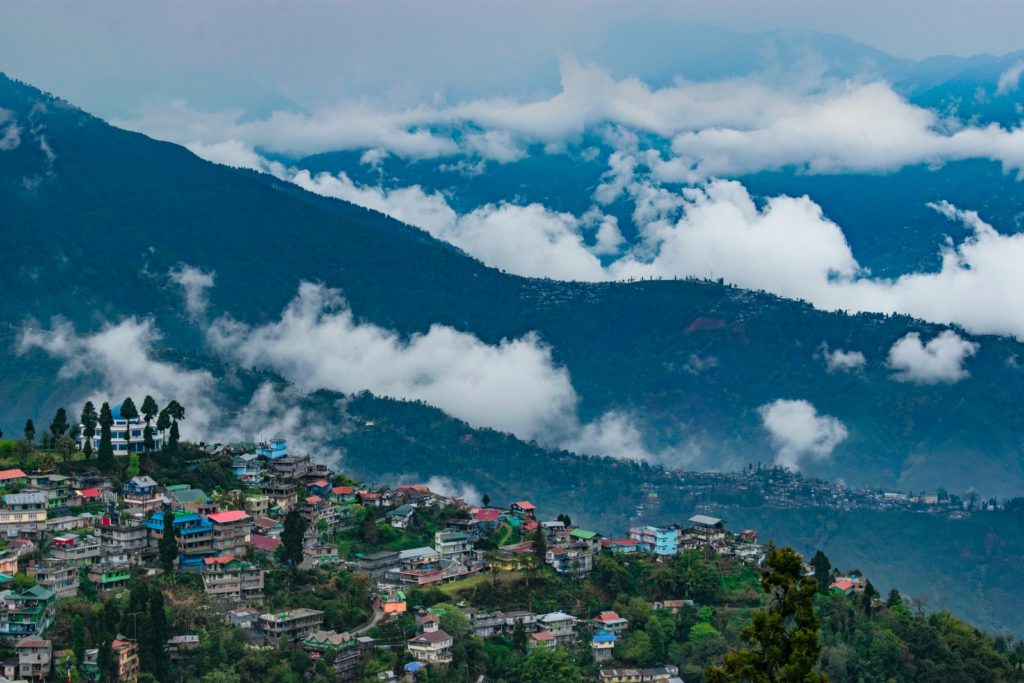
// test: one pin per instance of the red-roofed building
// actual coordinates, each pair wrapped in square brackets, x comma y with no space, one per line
[611,622]
[620,545]
[543,639]
[8,477]
[265,544]
[844,586]
[487,517]
[530,526]
[226,576]
[320,487]
[523,509]
[232,532]
[90,495]
[434,647]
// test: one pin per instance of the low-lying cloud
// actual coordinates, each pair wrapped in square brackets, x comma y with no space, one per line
[194,283]
[941,360]
[840,360]
[799,432]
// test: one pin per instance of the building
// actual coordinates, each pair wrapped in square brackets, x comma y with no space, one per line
[433,646]
[78,550]
[184,497]
[126,656]
[401,516]
[232,532]
[543,639]
[230,578]
[602,645]
[652,675]
[562,625]
[390,603]
[619,545]
[283,493]
[523,509]
[292,625]
[23,514]
[453,544]
[57,576]
[11,477]
[264,545]
[35,658]
[25,613]
[142,492]
[347,652]
[119,433]
[570,560]
[273,449]
[257,506]
[110,575]
[130,539]
[291,467]
[193,533]
[248,469]
[376,564]
[657,540]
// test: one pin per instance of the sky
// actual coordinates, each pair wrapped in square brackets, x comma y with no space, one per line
[112,57]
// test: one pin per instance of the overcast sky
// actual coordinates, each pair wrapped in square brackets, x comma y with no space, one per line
[112,57]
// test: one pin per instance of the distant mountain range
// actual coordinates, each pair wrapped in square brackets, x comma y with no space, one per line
[94,218]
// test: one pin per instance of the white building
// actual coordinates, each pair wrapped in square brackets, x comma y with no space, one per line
[120,430]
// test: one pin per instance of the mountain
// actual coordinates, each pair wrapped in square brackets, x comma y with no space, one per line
[95,217]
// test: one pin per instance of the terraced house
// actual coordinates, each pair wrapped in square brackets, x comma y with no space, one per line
[232,532]
[23,514]
[25,613]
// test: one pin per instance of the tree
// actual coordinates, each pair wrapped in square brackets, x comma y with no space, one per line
[147,439]
[168,546]
[156,635]
[129,412]
[519,639]
[292,538]
[163,421]
[783,638]
[174,438]
[59,426]
[486,500]
[89,421]
[133,469]
[148,409]
[894,598]
[105,455]
[822,571]
[78,637]
[176,411]
[30,432]
[565,519]
[540,547]
[66,447]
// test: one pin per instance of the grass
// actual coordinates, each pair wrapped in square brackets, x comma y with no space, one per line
[472,583]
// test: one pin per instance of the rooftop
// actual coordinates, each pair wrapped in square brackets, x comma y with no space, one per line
[227,516]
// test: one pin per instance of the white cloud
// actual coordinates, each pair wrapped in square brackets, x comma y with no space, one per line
[1009,80]
[798,431]
[939,361]
[839,360]
[445,486]
[513,386]
[121,356]
[194,283]
[10,131]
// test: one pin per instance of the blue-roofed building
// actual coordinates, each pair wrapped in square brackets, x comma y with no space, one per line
[273,449]
[601,646]
[194,535]
[119,432]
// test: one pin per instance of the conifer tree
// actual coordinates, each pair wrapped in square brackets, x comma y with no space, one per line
[128,412]
[292,538]
[59,425]
[30,432]
[89,421]
[822,571]
[540,547]
[105,455]
[168,546]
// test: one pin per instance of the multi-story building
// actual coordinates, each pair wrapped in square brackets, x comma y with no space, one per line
[126,656]
[561,625]
[602,645]
[228,577]
[284,493]
[273,449]
[57,576]
[611,622]
[25,613]
[11,477]
[232,532]
[129,540]
[108,576]
[23,514]
[56,487]
[570,560]
[432,645]
[292,467]
[78,550]
[346,649]
[314,508]
[248,469]
[657,540]
[142,492]
[292,625]
[523,509]
[378,563]
[119,432]
[35,658]
[453,544]
[194,535]
[257,506]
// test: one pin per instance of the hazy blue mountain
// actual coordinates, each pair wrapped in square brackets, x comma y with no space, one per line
[91,233]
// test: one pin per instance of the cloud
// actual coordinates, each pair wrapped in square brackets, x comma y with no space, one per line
[194,282]
[121,357]
[839,360]
[445,486]
[1009,80]
[798,431]
[10,132]
[513,386]
[939,361]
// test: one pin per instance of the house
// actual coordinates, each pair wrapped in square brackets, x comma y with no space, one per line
[232,532]
[69,523]
[566,560]
[119,435]
[77,550]
[619,545]
[57,576]
[126,657]
[110,575]
[602,645]
[562,625]
[513,558]
[417,558]
[266,526]
[401,516]
[257,506]
[23,514]
[376,564]
[523,509]
[291,467]
[246,617]
[589,539]
[142,492]
[193,533]
[372,499]
[657,540]
[273,449]
[8,562]
[129,539]
[347,652]
[264,545]
[487,518]
[673,606]
[187,498]
[291,625]
[453,544]
[320,487]
[652,675]
[611,622]
[343,494]
[319,554]
[390,603]
[15,476]
[248,469]
[543,639]
[227,577]
[178,646]
[35,658]
[25,613]
[431,647]
[282,492]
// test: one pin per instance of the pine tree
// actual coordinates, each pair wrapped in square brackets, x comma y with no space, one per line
[105,456]
[292,538]
[59,426]
[486,500]
[174,438]
[168,546]
[89,421]
[822,571]
[78,638]
[30,432]
[540,547]
[156,635]
[783,638]
[128,412]
[148,409]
